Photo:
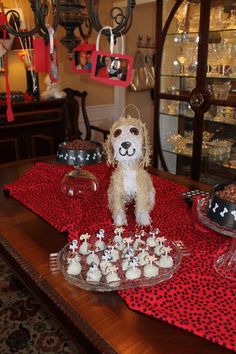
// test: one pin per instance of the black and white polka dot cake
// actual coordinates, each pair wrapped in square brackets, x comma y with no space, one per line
[222,205]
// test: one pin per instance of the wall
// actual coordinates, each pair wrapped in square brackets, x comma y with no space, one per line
[143,25]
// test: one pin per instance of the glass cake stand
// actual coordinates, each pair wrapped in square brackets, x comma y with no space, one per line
[80,182]
[225,263]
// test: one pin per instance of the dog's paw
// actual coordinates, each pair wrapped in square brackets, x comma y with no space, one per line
[143,218]
[120,219]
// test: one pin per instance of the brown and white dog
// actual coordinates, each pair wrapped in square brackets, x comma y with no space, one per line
[128,148]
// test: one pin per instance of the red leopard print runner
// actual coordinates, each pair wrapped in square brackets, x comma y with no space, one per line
[196,298]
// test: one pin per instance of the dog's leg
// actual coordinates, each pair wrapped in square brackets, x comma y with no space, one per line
[145,199]
[116,202]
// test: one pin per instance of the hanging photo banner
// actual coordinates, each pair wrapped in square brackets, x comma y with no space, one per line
[82,59]
[109,68]
[44,61]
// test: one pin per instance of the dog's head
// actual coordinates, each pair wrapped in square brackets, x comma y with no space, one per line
[128,142]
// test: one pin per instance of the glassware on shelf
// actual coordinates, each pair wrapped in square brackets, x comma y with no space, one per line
[216,18]
[219,150]
[213,59]
[172,107]
[181,15]
[221,92]
[186,57]
[224,57]
[194,17]
[230,22]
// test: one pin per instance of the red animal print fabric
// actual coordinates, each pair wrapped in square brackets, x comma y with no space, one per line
[196,299]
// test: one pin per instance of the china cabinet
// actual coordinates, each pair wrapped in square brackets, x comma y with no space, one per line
[195,92]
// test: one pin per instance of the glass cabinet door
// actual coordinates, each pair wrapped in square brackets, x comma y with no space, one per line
[196,89]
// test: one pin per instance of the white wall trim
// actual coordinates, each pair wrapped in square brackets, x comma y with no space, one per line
[100,113]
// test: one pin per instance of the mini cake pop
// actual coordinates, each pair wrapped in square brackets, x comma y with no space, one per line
[151,240]
[114,253]
[150,270]
[138,242]
[73,246]
[112,277]
[127,241]
[106,262]
[166,261]
[160,244]
[129,254]
[94,274]
[133,271]
[92,258]
[119,231]
[118,242]
[74,266]
[143,256]
[84,247]
[99,244]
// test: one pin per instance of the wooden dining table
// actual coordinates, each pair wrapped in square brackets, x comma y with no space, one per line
[97,322]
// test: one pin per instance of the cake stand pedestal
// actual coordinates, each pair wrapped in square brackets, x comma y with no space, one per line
[79,182]
[225,262]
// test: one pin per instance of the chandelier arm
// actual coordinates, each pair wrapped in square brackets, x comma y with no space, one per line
[17,32]
[84,35]
[92,8]
[123,25]
[56,16]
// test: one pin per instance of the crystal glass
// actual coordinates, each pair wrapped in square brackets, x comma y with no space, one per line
[230,22]
[186,57]
[216,18]
[172,107]
[213,59]
[194,19]
[180,16]
[221,92]
[225,56]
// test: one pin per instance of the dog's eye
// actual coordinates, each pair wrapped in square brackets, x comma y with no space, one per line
[117,132]
[134,131]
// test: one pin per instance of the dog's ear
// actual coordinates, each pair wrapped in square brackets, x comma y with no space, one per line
[109,150]
[146,147]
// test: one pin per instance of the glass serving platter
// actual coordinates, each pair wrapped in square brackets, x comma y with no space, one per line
[201,211]
[80,280]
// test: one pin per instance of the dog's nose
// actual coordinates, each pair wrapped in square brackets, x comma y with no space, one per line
[126,144]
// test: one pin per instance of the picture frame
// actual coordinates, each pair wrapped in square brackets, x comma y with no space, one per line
[112,69]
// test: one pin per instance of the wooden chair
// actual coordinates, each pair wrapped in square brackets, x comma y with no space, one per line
[76,103]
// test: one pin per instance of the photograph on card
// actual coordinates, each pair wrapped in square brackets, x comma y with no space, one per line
[82,59]
[112,69]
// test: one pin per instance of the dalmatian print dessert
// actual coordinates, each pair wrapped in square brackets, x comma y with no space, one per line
[140,257]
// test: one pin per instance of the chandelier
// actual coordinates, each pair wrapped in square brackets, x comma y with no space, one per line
[71,14]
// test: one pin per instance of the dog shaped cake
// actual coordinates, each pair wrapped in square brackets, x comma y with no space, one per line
[128,148]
